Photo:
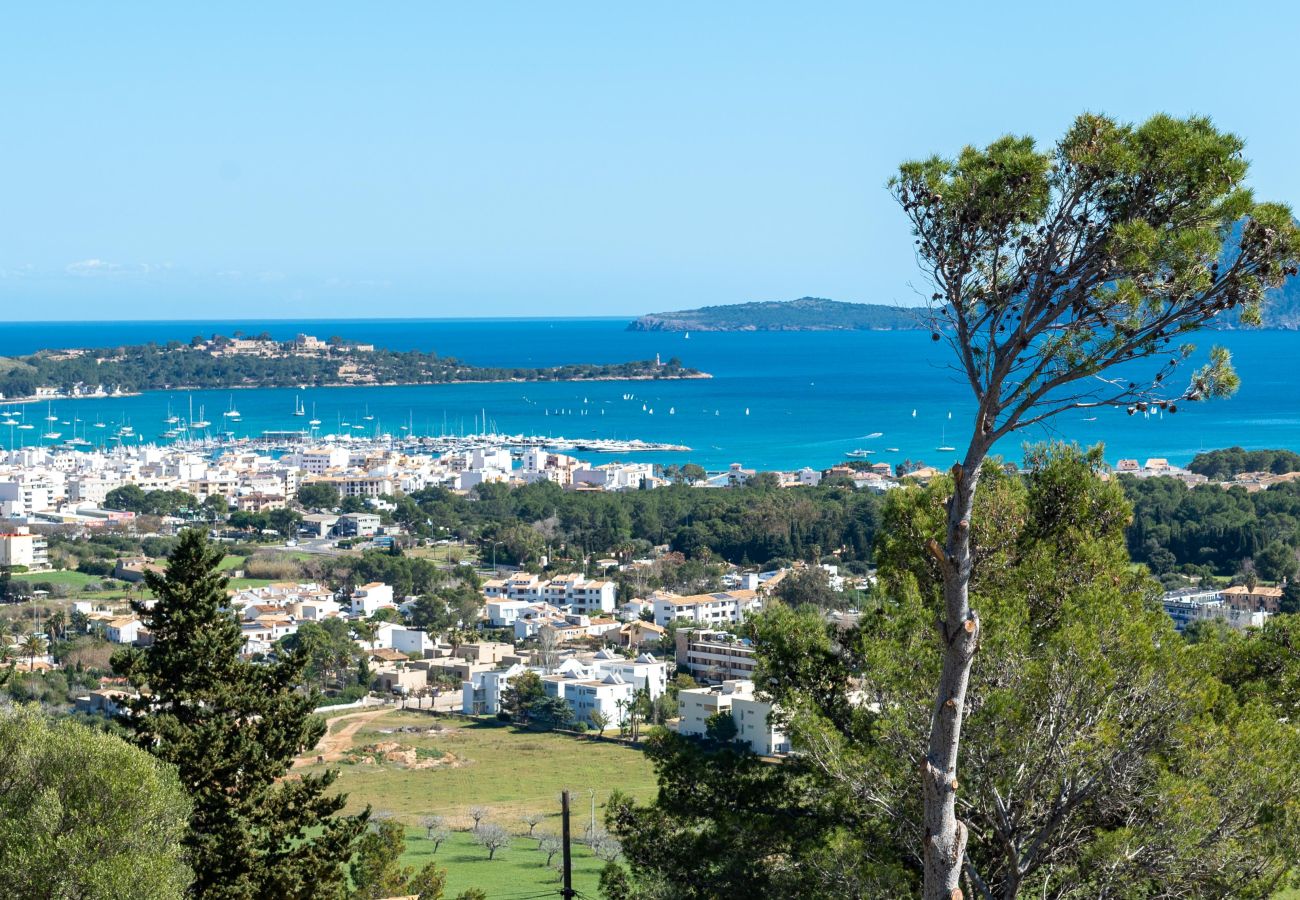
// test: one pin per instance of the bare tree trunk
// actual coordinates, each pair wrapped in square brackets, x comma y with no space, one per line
[945,834]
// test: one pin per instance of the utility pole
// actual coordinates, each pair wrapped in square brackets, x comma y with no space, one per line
[567,891]
[592,834]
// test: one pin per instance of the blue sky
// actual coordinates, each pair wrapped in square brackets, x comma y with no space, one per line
[417,159]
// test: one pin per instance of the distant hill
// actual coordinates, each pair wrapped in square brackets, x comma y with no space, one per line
[804,314]
[1282,310]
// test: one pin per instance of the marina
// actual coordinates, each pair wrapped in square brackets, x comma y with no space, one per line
[776,401]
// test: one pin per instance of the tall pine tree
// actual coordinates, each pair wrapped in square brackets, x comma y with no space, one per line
[232,728]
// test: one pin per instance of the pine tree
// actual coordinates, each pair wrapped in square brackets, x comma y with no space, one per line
[232,728]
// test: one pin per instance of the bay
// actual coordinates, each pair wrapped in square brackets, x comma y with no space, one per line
[777,399]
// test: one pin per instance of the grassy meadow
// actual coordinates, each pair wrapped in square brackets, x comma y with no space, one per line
[508,772]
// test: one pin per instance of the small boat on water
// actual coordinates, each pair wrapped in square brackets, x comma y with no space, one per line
[859,453]
[943,444]
[298,408]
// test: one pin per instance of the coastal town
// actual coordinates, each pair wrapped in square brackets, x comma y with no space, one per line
[241,493]
[464,452]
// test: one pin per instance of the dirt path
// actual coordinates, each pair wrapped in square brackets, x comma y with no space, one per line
[337,742]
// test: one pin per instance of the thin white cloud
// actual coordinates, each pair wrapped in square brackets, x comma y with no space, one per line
[95,266]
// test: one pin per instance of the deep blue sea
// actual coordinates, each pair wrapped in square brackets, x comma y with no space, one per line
[777,400]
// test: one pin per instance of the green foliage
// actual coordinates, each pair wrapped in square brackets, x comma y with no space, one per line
[1277,562]
[750,524]
[721,727]
[1053,266]
[326,650]
[1221,465]
[526,703]
[231,728]
[318,495]
[376,870]
[1103,753]
[449,607]
[429,883]
[810,586]
[84,814]
[284,521]
[132,498]
[1207,526]
[614,883]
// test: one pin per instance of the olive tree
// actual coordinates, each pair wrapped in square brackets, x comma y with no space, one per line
[492,837]
[1068,279]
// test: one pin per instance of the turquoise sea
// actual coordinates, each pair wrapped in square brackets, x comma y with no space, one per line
[777,400]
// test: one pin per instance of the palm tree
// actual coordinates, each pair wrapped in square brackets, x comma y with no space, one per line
[56,626]
[32,646]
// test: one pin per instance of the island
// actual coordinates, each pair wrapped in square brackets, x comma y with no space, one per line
[255,362]
[804,314]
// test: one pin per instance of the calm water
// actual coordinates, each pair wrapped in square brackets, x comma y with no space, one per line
[777,400]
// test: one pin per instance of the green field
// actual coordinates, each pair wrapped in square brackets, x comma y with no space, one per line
[230,562]
[75,581]
[508,772]
[442,553]
[517,870]
[71,578]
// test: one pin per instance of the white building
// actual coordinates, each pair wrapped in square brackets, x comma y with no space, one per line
[714,656]
[411,641]
[608,694]
[19,547]
[123,630]
[319,460]
[481,694]
[576,591]
[751,715]
[705,609]
[599,686]
[502,613]
[645,673]
[368,598]
[754,727]
[1186,607]
[359,524]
